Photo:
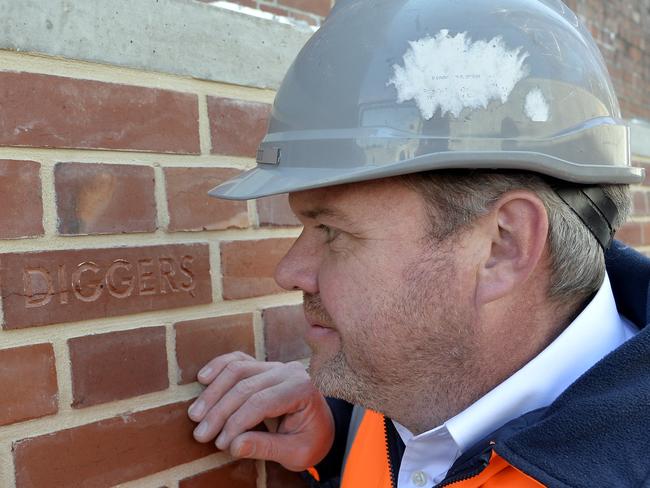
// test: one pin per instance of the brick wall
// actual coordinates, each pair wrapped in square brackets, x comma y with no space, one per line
[622,30]
[120,278]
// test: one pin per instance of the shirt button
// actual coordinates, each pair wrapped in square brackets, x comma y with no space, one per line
[419,478]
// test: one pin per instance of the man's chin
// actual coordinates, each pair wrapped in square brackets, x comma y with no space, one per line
[330,374]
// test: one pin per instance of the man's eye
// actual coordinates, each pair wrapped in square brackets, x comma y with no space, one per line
[330,234]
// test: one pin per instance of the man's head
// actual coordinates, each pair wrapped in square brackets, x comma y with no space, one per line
[401,293]
[458,168]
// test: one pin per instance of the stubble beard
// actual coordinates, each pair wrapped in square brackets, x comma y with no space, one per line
[428,377]
[333,375]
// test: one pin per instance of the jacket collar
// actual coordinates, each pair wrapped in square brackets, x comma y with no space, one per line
[597,430]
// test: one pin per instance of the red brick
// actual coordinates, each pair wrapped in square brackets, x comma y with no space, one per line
[245,3]
[240,474]
[49,287]
[319,7]
[275,210]
[237,126]
[117,365]
[108,452]
[645,231]
[199,341]
[248,267]
[306,18]
[640,203]
[190,206]
[20,199]
[51,111]
[282,12]
[278,477]
[284,328]
[631,233]
[28,383]
[104,198]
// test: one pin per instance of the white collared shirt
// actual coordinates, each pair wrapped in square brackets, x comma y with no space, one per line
[597,331]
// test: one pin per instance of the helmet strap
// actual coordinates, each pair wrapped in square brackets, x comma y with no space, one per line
[594,208]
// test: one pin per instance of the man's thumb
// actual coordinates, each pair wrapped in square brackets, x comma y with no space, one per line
[269,447]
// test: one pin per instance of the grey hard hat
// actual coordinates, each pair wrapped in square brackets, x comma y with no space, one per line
[390,87]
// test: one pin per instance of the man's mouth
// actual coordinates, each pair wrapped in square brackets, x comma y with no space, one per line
[318,330]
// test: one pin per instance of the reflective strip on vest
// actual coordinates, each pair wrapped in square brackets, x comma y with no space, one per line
[368,465]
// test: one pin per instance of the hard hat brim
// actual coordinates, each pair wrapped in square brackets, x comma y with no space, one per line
[267,179]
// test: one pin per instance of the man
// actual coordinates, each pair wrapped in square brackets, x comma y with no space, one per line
[459,169]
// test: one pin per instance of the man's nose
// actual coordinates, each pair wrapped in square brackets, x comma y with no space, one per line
[298,269]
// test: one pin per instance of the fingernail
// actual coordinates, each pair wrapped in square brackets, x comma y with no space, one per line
[219,440]
[245,449]
[205,372]
[201,430]
[196,409]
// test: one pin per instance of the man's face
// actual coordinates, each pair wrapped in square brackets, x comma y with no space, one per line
[390,309]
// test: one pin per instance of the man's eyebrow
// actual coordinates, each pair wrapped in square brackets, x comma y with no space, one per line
[314,213]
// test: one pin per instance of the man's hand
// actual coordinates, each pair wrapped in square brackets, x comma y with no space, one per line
[242,392]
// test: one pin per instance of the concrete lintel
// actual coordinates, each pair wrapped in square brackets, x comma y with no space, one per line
[640,138]
[182,37]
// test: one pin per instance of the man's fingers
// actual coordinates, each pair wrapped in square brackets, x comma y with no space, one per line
[232,400]
[210,371]
[232,374]
[283,449]
[274,401]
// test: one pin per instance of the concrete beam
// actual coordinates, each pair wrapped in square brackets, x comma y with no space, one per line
[182,37]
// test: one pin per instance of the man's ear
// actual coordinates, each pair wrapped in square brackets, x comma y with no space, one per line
[516,229]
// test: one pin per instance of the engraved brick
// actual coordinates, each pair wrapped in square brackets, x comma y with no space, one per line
[49,287]
[279,477]
[248,267]
[28,383]
[319,7]
[111,451]
[52,111]
[284,328]
[20,199]
[199,341]
[240,474]
[275,210]
[190,206]
[117,365]
[104,198]
[237,126]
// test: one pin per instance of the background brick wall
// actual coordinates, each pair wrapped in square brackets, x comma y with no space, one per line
[120,278]
[622,30]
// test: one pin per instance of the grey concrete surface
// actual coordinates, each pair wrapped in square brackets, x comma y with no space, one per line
[181,37]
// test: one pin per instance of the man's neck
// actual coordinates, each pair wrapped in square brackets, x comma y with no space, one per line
[508,335]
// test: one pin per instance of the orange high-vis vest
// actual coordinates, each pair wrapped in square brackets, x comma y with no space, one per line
[368,466]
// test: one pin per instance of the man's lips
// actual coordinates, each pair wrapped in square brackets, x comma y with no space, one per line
[317,330]
[317,322]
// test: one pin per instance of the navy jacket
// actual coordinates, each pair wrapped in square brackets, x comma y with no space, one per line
[595,434]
